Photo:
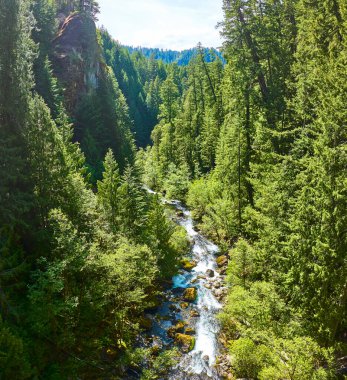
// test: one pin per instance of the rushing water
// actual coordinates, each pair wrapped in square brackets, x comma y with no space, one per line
[199,363]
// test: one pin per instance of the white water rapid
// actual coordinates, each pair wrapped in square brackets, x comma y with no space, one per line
[201,315]
[198,364]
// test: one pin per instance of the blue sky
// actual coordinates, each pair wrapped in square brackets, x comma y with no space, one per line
[175,24]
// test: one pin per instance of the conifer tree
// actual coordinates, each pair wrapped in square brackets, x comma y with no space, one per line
[108,190]
[132,206]
[316,224]
[16,81]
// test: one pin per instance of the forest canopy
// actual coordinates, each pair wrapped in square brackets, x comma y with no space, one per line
[251,138]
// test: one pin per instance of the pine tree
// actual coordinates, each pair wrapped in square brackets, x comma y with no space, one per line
[132,207]
[108,191]
[169,100]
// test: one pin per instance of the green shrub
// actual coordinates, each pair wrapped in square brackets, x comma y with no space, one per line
[300,358]
[249,358]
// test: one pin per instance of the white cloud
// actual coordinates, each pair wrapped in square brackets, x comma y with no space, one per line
[171,24]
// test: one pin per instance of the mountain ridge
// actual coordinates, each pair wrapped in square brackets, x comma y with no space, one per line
[182,58]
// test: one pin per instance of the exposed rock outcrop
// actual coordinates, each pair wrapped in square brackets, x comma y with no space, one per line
[77,59]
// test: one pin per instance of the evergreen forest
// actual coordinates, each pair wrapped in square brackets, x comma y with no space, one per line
[97,137]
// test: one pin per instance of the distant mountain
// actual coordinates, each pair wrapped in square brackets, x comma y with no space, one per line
[182,58]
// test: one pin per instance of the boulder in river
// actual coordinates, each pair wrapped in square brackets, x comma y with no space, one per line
[190,294]
[190,331]
[177,328]
[180,213]
[180,326]
[171,332]
[222,261]
[210,273]
[186,342]
[188,265]
[194,313]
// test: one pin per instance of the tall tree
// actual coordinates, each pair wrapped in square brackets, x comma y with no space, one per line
[16,81]
[108,190]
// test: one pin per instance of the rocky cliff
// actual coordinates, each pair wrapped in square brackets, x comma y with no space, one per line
[76,58]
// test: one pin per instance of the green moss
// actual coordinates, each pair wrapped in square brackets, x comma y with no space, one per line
[192,343]
[178,328]
[190,331]
[222,260]
[190,294]
[187,264]
[186,342]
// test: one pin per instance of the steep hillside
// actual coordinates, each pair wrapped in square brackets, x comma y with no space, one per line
[77,58]
[101,278]
[90,92]
[82,252]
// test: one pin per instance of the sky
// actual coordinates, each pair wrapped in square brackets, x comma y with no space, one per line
[167,24]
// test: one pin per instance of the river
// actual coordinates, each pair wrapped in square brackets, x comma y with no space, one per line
[200,316]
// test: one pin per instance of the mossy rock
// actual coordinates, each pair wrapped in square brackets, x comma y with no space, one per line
[186,342]
[184,305]
[221,261]
[178,328]
[171,332]
[188,265]
[180,213]
[190,331]
[190,294]
[194,313]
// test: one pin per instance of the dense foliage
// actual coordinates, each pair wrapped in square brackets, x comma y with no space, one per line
[258,151]
[255,145]
[182,58]
[78,266]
